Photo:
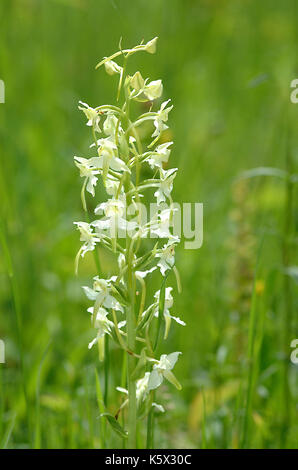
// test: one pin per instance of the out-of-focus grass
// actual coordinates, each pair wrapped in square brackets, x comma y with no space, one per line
[228,66]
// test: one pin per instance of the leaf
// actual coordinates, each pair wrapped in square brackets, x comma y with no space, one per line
[144,260]
[101,406]
[8,432]
[121,293]
[114,424]
[146,317]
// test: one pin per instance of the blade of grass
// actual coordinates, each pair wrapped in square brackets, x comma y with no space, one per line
[8,433]
[252,354]
[18,317]
[37,434]
[101,407]
[204,441]
[106,370]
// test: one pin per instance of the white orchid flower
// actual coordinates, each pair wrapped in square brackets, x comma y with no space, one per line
[163,369]
[167,255]
[114,210]
[92,116]
[103,326]
[87,236]
[160,226]
[107,157]
[160,155]
[141,388]
[141,88]
[112,186]
[153,90]
[141,391]
[101,293]
[160,119]
[87,172]
[165,185]
[110,125]
[166,312]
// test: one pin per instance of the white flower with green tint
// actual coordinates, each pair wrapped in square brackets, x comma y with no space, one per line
[111,125]
[162,223]
[167,256]
[144,90]
[92,116]
[112,186]
[141,388]
[163,370]
[142,391]
[153,90]
[87,236]
[161,118]
[103,326]
[102,295]
[160,155]
[87,172]
[165,185]
[107,157]
[166,311]
[114,211]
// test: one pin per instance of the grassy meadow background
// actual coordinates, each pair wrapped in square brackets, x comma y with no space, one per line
[227,65]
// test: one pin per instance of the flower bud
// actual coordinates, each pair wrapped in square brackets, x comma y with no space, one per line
[112,68]
[151,46]
[137,81]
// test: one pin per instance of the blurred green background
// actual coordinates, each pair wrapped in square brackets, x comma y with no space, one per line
[227,65]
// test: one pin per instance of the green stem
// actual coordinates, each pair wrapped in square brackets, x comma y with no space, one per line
[252,355]
[131,337]
[123,385]
[106,370]
[131,333]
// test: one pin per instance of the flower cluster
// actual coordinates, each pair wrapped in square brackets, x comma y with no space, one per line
[117,158]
